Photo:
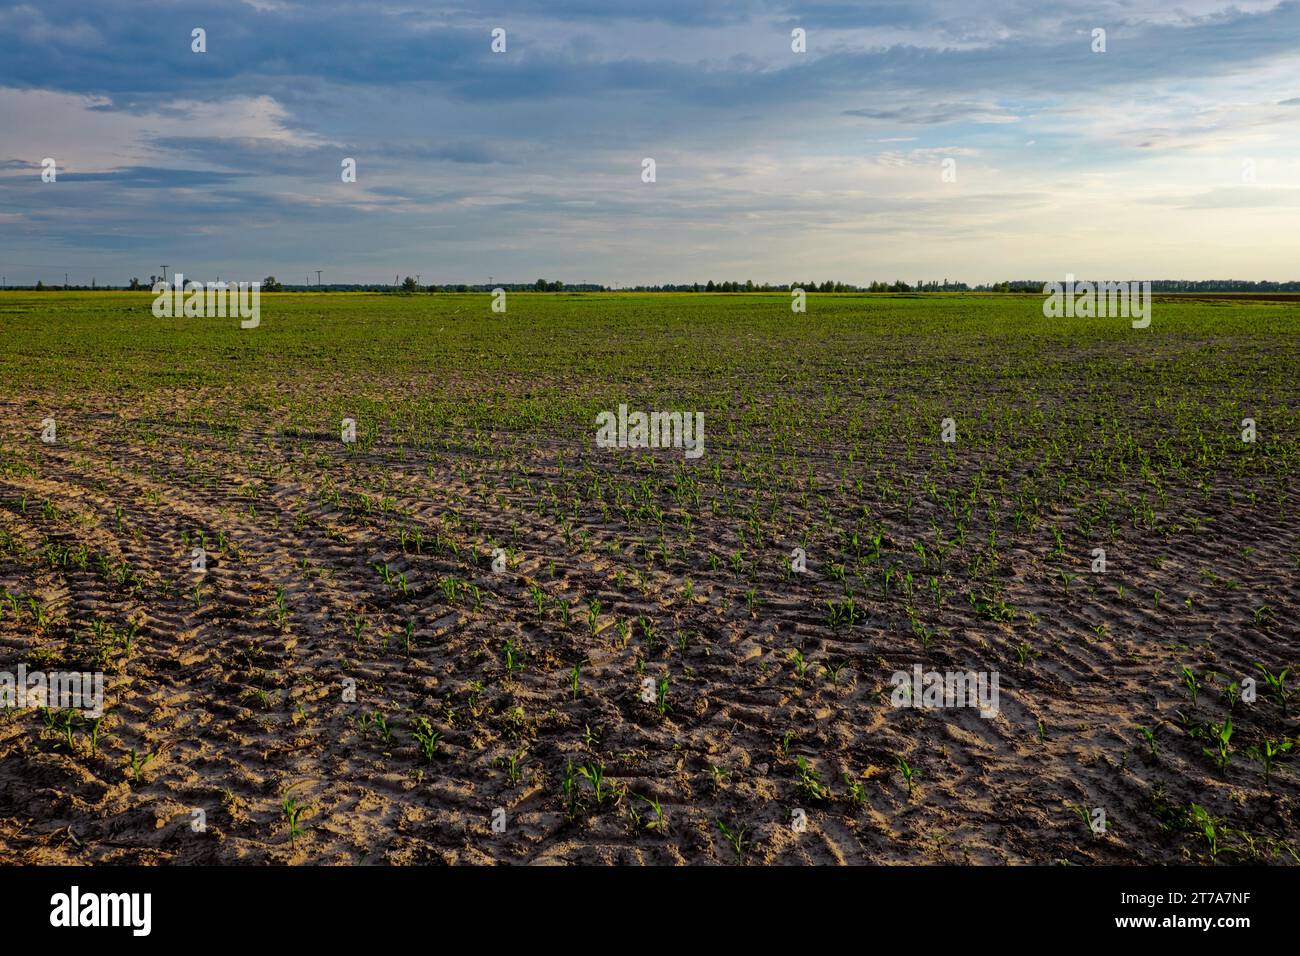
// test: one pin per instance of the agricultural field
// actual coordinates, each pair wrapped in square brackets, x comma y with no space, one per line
[473,635]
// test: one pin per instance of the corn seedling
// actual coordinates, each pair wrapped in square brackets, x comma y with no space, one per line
[906,770]
[512,657]
[291,810]
[736,837]
[808,782]
[857,793]
[1220,735]
[1150,737]
[426,738]
[655,820]
[1209,826]
[661,696]
[136,763]
[1267,753]
[1276,687]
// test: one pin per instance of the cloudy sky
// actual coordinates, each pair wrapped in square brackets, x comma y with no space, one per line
[1173,154]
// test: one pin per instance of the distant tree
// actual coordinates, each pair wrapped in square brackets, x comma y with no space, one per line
[409,285]
[135,285]
[270,285]
[540,285]
[710,287]
[39,285]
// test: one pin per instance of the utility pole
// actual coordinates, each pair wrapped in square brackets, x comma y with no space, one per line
[417,280]
[164,268]
[318,272]
[65,280]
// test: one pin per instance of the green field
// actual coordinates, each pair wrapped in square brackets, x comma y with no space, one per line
[523,687]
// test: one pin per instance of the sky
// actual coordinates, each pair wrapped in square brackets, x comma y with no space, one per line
[912,139]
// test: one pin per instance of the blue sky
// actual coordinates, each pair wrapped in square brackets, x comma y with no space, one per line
[1173,154]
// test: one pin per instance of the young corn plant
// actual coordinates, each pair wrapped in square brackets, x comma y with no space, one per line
[906,770]
[385,729]
[1150,737]
[513,764]
[291,810]
[654,819]
[136,763]
[96,729]
[808,783]
[601,789]
[513,657]
[64,722]
[800,664]
[1192,685]
[1219,736]
[661,697]
[1269,752]
[1082,814]
[1209,826]
[1276,687]
[857,793]
[736,837]
[426,738]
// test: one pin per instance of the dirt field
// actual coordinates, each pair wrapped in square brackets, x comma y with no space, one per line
[639,675]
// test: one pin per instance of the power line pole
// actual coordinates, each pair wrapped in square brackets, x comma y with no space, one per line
[318,272]
[164,269]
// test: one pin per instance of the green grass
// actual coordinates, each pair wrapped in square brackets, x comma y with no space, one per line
[553,361]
